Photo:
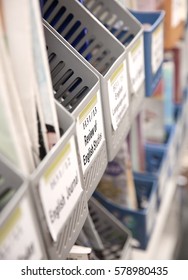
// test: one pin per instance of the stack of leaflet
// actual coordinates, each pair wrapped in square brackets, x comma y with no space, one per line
[117,183]
[28,121]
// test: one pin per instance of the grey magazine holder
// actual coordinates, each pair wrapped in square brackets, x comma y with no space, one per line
[115,237]
[78,90]
[59,247]
[129,31]
[20,235]
[102,52]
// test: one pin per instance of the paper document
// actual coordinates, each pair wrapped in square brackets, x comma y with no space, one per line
[44,83]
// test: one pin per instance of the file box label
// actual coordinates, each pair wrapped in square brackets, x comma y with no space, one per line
[60,188]
[172,156]
[163,177]
[157,48]
[152,213]
[18,238]
[183,10]
[90,131]
[118,95]
[177,13]
[136,65]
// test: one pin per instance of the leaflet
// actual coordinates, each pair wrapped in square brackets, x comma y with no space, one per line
[15,142]
[18,30]
[44,83]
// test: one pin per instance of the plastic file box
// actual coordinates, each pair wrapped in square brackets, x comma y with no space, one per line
[78,90]
[104,55]
[173,24]
[157,164]
[181,128]
[20,235]
[178,141]
[153,47]
[115,237]
[141,222]
[161,160]
[129,32]
[57,188]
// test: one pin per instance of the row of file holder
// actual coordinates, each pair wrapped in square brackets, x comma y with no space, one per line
[21,225]
[94,123]
[162,166]
[24,230]
[114,70]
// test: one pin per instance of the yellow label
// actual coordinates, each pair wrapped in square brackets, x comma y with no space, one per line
[88,108]
[158,29]
[9,225]
[57,161]
[117,72]
[136,46]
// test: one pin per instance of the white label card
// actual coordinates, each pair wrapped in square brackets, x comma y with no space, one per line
[90,131]
[172,156]
[183,8]
[157,45]
[163,177]
[60,188]
[136,65]
[152,213]
[118,95]
[18,236]
[176,12]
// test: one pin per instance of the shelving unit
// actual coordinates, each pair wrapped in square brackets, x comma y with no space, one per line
[163,242]
[105,56]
